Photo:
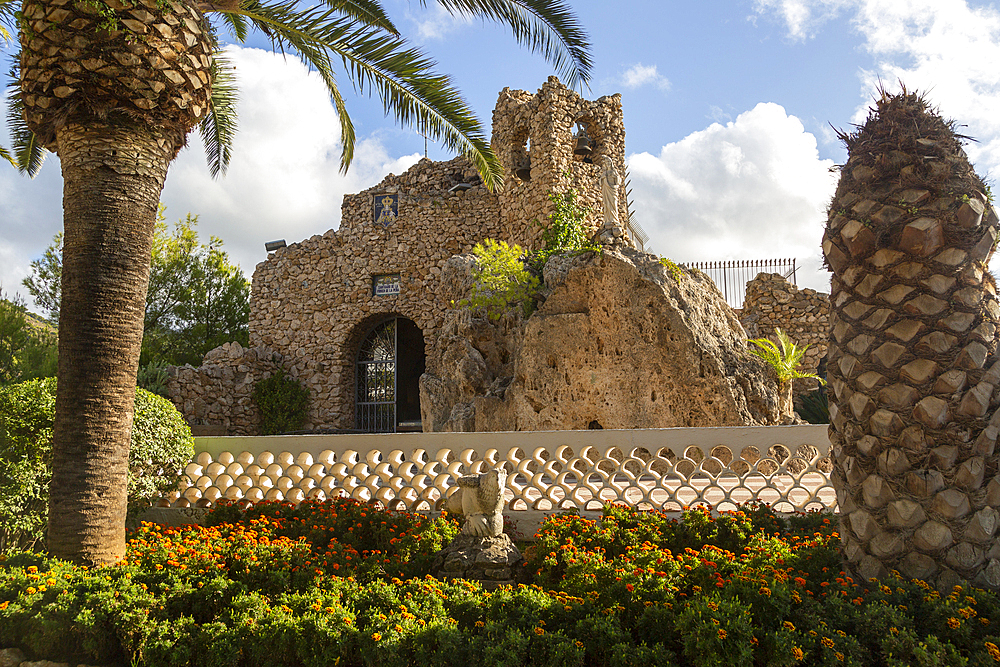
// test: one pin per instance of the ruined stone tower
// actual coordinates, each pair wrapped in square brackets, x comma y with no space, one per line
[534,136]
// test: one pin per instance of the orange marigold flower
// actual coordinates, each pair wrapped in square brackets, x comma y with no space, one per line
[539,631]
[954,623]
[376,636]
[827,642]
[722,634]
[797,653]
[788,625]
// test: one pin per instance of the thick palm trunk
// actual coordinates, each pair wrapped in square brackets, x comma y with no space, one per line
[113,177]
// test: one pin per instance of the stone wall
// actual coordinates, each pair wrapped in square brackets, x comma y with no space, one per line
[313,303]
[218,393]
[774,303]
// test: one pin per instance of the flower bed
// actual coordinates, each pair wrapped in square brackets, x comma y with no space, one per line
[340,583]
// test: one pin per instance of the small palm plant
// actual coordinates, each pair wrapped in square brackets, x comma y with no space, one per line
[784,357]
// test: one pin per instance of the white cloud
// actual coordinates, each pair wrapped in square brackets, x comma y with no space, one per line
[283,181]
[639,75]
[436,23]
[802,17]
[947,49]
[749,189]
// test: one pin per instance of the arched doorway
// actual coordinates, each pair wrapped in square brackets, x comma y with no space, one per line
[390,362]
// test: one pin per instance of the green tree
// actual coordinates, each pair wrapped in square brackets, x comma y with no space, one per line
[196,301]
[157,74]
[44,282]
[27,347]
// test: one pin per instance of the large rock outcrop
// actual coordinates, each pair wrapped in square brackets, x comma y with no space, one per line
[620,341]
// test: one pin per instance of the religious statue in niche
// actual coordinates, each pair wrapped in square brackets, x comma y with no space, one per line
[386,209]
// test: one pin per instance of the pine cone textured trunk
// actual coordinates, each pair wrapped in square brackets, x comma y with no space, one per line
[912,363]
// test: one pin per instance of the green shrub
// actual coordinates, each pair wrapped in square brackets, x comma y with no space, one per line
[161,446]
[564,232]
[815,407]
[27,411]
[282,403]
[153,378]
[506,276]
[501,280]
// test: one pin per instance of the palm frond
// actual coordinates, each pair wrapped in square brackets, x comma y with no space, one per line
[237,25]
[547,27]
[378,62]
[219,127]
[6,155]
[368,12]
[785,359]
[29,154]
[8,19]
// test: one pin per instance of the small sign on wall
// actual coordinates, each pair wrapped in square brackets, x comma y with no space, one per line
[385,285]
[385,209]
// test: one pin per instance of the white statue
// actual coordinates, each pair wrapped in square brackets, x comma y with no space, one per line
[480,499]
[609,192]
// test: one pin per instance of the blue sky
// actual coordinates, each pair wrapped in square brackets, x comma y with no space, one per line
[728,110]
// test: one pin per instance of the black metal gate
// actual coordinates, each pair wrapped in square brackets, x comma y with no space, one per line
[376,373]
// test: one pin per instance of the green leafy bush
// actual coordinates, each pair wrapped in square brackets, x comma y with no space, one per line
[501,280]
[161,446]
[282,403]
[564,232]
[784,357]
[506,276]
[27,410]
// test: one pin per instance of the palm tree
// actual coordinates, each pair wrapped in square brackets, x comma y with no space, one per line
[114,87]
[913,362]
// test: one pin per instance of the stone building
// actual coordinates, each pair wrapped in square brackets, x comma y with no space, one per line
[352,313]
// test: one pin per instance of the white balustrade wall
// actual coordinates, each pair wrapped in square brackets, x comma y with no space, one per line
[786,466]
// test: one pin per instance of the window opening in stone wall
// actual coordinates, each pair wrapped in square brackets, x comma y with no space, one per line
[390,362]
[586,141]
[521,155]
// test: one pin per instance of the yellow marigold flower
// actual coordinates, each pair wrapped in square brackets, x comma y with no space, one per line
[376,636]
[578,643]
[994,652]
[722,634]
[3,605]
[827,642]
[479,624]
[788,625]
[764,590]
[539,631]
[32,569]
[984,620]
[954,623]
[797,653]
[839,656]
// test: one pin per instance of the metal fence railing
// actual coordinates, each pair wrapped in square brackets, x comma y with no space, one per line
[732,276]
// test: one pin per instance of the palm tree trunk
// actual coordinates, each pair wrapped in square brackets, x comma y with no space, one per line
[113,176]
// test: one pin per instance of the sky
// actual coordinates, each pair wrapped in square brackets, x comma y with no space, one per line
[730,114]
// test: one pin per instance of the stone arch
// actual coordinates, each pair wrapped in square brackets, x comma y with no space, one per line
[597,139]
[389,356]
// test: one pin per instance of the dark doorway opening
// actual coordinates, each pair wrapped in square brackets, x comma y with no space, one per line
[390,362]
